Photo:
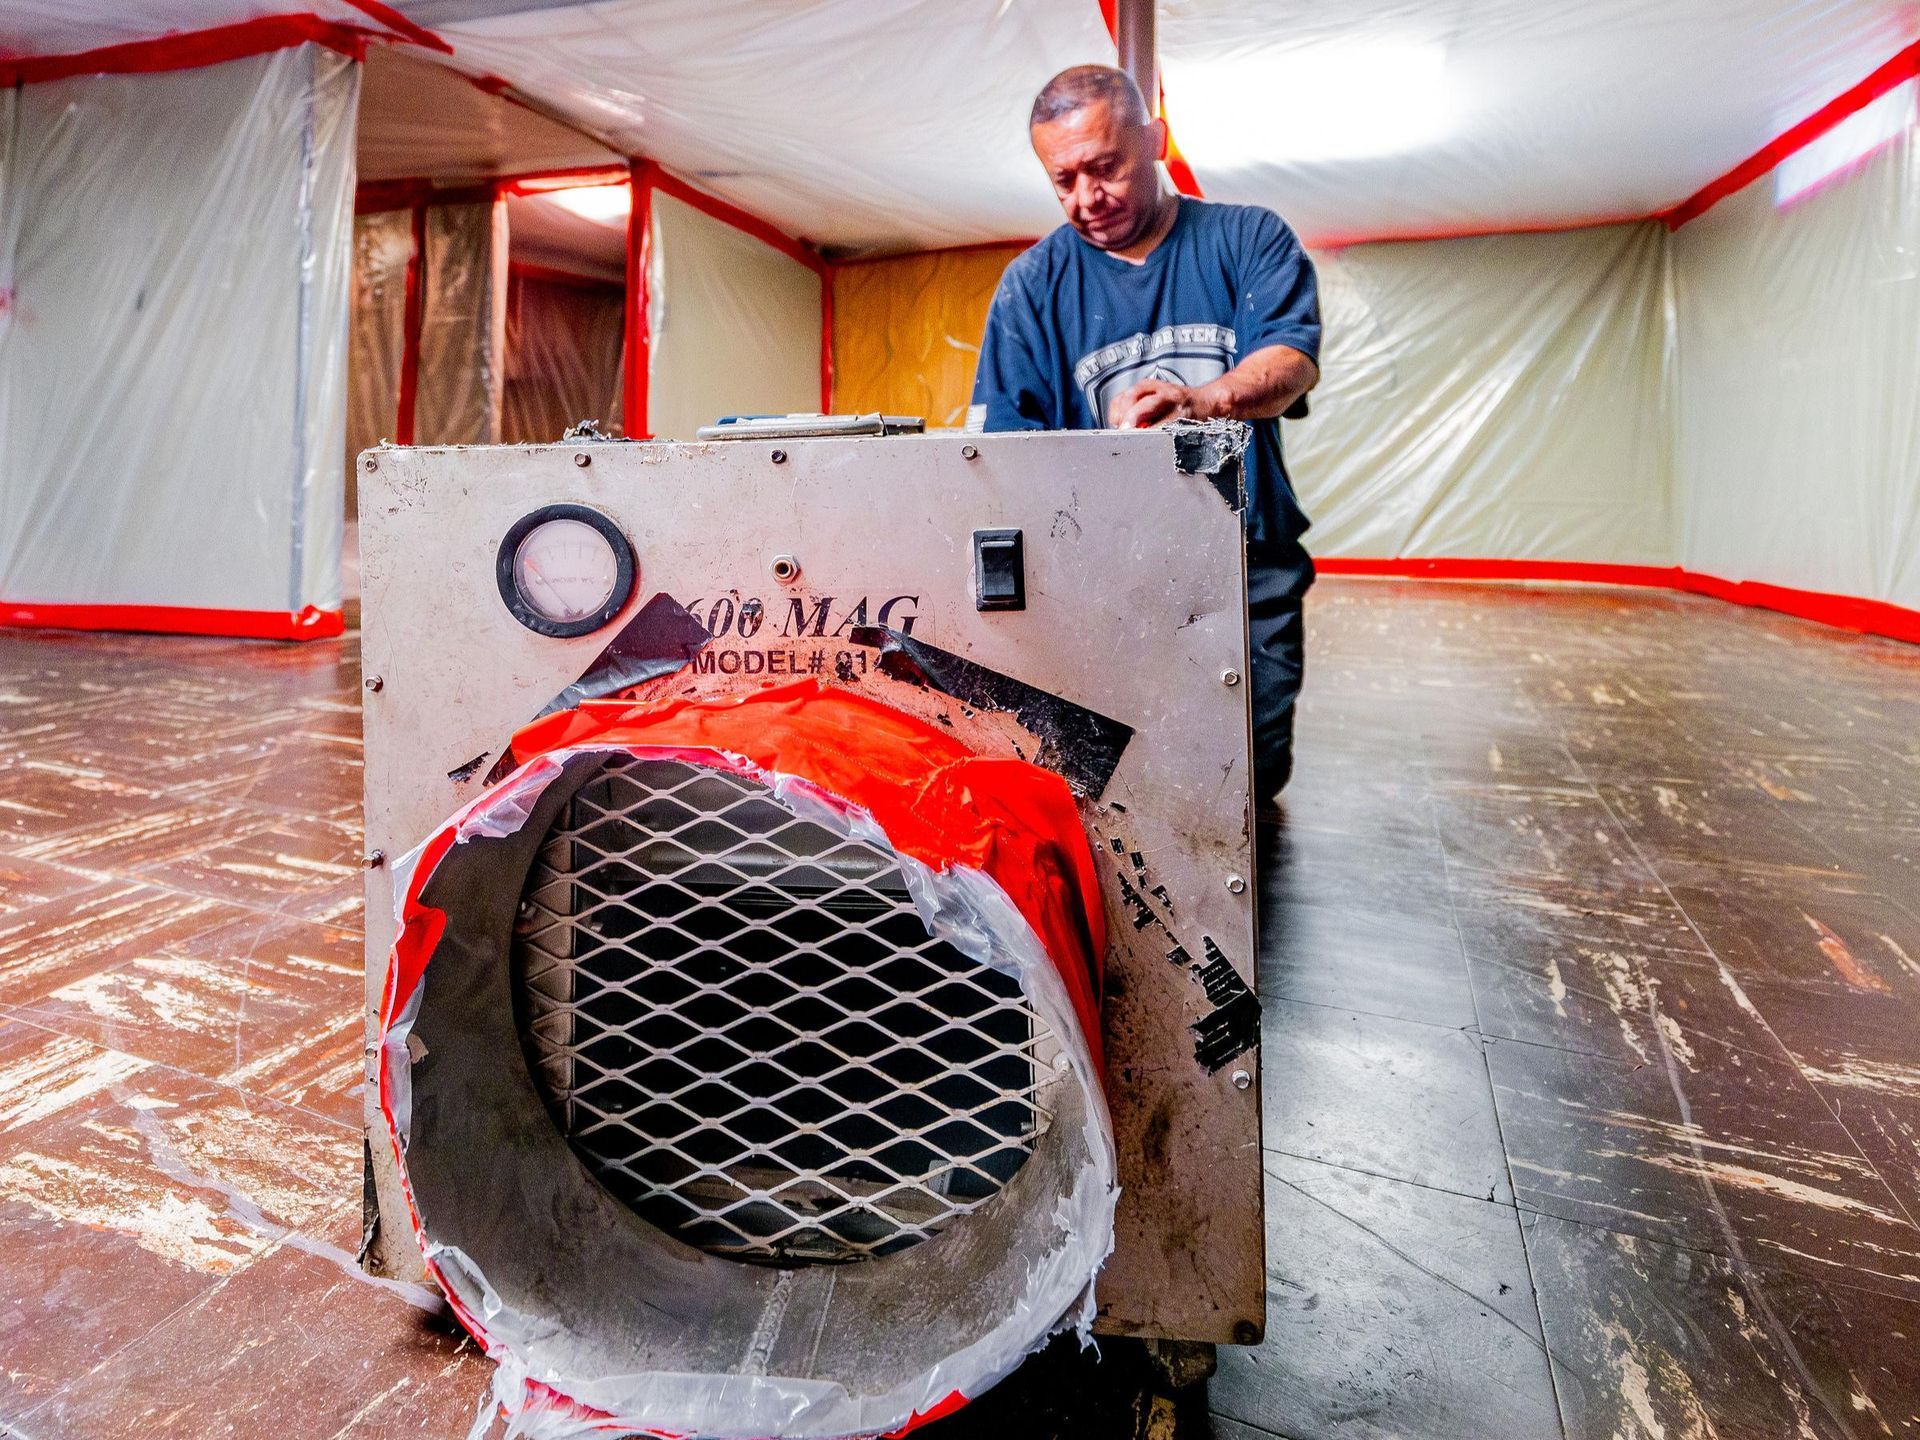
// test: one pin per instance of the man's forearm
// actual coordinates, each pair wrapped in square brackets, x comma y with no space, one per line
[1260,387]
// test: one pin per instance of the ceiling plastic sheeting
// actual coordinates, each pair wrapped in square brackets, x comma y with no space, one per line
[1382,118]
[906,130]
[59,27]
[897,128]
[545,231]
[419,120]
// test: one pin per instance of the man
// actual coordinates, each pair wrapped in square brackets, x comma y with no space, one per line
[1147,307]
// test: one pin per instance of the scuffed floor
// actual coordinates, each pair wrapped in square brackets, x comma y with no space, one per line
[1592,1002]
[1592,992]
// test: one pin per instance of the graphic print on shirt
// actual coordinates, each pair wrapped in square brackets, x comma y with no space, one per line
[1179,354]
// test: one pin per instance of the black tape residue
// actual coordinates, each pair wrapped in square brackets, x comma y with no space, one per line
[1232,1027]
[1083,745]
[460,774]
[662,637]
[1214,448]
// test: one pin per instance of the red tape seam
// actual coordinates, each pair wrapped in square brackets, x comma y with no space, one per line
[1844,612]
[312,623]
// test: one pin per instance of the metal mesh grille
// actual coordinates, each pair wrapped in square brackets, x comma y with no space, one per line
[741,1024]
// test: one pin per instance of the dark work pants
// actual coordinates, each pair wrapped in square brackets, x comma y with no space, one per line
[1277,580]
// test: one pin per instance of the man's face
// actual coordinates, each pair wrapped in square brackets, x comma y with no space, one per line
[1104,173]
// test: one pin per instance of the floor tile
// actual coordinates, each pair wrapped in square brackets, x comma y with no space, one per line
[70,937]
[1402,876]
[1383,1296]
[350,1359]
[1391,1097]
[1794,929]
[1721,821]
[1553,834]
[1361,960]
[272,1007]
[128,1191]
[1737,1153]
[1650,1341]
[268,861]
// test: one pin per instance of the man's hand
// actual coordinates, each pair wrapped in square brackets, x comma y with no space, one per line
[1260,387]
[1153,402]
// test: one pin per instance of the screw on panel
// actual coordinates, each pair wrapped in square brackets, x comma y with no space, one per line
[1236,884]
[786,569]
[779,457]
[373,859]
[1241,1079]
[969,452]
[375,683]
[372,465]
[1230,677]
[1245,1332]
[583,459]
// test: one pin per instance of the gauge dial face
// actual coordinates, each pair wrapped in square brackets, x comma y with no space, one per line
[565,570]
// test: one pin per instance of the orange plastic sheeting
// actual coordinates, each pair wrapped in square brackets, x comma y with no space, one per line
[906,331]
[935,799]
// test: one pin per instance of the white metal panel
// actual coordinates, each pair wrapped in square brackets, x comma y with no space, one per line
[1799,397]
[1139,615]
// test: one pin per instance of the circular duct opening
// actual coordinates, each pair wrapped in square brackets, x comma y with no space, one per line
[592,1308]
[744,1029]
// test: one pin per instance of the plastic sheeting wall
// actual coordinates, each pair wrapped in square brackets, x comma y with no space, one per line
[1799,393]
[906,332]
[733,324]
[459,376]
[1502,396]
[376,344]
[463,326]
[176,249]
[563,357]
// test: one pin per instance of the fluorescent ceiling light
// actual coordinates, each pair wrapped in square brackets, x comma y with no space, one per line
[601,203]
[1325,101]
[1873,126]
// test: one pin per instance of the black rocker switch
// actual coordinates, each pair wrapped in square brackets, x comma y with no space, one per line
[999,570]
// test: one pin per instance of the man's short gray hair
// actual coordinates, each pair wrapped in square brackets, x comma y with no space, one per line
[1085,85]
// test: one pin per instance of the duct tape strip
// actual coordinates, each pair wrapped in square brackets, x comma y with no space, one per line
[1082,744]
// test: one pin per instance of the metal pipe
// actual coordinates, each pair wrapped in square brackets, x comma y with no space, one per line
[1139,55]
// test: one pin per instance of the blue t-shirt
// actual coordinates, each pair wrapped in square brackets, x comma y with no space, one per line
[1072,326]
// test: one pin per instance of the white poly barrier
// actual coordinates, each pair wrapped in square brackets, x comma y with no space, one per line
[175,251]
[1799,393]
[733,324]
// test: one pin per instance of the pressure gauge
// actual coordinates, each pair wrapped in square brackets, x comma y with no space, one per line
[565,570]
